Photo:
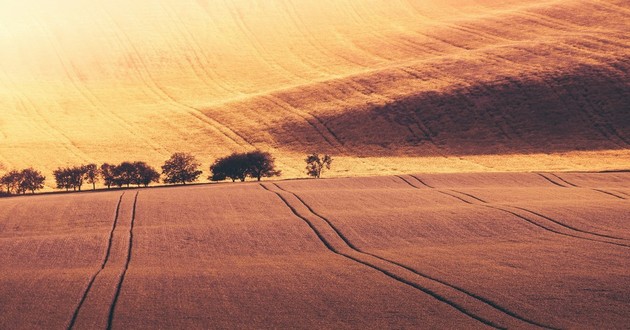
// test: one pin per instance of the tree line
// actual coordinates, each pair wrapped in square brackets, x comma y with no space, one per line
[180,168]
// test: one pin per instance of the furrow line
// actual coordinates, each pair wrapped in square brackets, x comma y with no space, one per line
[112,308]
[103,264]
[552,181]
[413,270]
[369,264]
[545,227]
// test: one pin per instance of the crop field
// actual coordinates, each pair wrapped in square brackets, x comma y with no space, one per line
[388,87]
[485,250]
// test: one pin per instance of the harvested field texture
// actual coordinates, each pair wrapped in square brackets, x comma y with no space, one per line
[388,87]
[491,250]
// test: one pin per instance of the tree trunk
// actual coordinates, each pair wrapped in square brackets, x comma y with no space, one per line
[93,185]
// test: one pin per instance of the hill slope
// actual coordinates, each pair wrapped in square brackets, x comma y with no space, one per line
[449,80]
[439,251]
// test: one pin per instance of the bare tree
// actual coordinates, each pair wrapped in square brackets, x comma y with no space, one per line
[181,168]
[315,164]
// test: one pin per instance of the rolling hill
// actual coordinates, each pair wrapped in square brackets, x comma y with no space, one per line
[490,250]
[385,86]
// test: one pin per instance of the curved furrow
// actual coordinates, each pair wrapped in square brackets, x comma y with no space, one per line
[410,49]
[299,24]
[570,227]
[52,130]
[196,49]
[152,85]
[446,284]
[324,131]
[92,99]
[572,231]
[550,180]
[327,240]
[195,63]
[215,73]
[257,45]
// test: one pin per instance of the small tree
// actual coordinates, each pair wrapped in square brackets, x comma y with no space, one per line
[125,174]
[108,175]
[315,164]
[145,174]
[31,180]
[11,181]
[92,173]
[261,164]
[62,178]
[234,166]
[181,168]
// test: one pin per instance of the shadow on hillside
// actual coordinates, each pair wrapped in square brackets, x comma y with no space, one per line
[587,109]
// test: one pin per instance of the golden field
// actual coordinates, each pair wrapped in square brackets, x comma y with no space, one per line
[385,86]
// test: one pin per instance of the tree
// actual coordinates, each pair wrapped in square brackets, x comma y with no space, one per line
[107,173]
[31,180]
[92,173]
[261,164]
[181,168]
[315,164]
[62,178]
[234,166]
[125,174]
[145,174]
[11,181]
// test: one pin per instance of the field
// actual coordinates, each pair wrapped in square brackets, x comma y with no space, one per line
[485,250]
[388,87]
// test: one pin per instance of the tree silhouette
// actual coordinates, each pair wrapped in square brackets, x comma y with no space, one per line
[234,166]
[144,174]
[315,164]
[11,181]
[108,175]
[125,174]
[261,164]
[92,173]
[181,168]
[31,180]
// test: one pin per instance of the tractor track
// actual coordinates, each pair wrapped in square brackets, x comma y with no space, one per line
[337,242]
[565,230]
[75,315]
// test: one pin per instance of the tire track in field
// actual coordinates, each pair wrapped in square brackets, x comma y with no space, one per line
[413,270]
[572,185]
[547,223]
[493,315]
[112,308]
[103,264]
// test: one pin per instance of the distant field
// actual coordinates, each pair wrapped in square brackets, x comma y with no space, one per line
[517,250]
[387,87]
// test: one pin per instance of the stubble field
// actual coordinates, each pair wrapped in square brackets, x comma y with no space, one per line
[522,250]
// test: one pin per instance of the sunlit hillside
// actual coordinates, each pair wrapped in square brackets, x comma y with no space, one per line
[385,86]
